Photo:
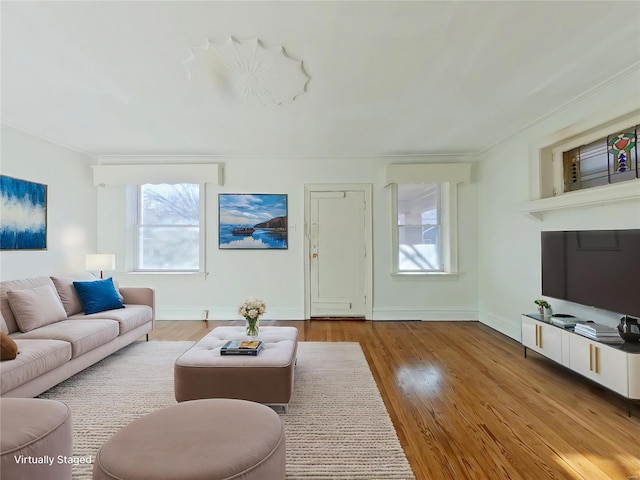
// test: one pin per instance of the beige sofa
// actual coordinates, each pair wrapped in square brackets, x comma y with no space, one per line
[68,342]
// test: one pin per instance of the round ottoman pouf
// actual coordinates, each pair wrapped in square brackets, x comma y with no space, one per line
[212,439]
[36,439]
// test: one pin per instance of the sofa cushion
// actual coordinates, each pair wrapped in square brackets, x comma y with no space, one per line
[67,292]
[36,307]
[36,358]
[98,296]
[117,287]
[83,336]
[5,286]
[129,318]
[8,347]
[3,324]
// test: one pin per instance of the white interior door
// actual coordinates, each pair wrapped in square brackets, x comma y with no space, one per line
[338,269]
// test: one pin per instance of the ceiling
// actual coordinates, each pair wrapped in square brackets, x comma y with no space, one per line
[378,78]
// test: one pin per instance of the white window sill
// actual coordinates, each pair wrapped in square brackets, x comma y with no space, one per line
[186,274]
[426,274]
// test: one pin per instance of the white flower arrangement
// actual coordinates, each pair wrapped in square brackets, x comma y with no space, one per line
[251,311]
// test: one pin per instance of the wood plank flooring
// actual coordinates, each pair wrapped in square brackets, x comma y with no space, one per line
[467,405]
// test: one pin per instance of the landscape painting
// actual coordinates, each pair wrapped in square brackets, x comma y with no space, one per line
[252,221]
[23,214]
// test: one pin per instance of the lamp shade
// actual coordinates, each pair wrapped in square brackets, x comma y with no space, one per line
[100,261]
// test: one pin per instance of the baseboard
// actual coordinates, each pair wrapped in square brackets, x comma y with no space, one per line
[507,326]
[180,314]
[386,314]
[400,314]
[223,314]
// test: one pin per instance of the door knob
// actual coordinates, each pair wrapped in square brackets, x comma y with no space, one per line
[314,255]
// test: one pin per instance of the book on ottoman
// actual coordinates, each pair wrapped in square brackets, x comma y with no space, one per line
[241,347]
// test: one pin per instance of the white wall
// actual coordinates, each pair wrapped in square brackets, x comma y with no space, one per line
[500,268]
[71,205]
[277,276]
[509,241]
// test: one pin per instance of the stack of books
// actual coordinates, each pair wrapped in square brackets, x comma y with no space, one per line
[241,347]
[563,322]
[596,331]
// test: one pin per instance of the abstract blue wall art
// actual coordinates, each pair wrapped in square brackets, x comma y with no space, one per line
[23,214]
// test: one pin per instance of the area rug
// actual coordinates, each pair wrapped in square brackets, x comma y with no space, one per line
[337,426]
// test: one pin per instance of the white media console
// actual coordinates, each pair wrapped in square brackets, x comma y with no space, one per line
[614,366]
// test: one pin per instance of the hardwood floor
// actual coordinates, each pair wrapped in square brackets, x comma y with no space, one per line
[467,405]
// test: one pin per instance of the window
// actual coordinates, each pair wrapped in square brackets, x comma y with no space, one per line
[419,227]
[425,216]
[609,159]
[425,228]
[168,233]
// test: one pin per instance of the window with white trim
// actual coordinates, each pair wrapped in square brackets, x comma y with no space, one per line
[609,159]
[169,228]
[600,155]
[425,216]
[424,228]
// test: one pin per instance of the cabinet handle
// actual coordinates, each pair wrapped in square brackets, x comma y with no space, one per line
[540,336]
[594,359]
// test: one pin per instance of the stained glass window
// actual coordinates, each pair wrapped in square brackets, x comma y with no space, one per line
[608,160]
[623,155]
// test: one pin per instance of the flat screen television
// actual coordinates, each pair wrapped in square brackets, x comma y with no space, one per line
[600,268]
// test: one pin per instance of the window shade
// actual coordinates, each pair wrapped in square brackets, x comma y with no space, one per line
[429,173]
[157,173]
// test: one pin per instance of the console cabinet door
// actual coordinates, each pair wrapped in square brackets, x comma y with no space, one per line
[543,338]
[633,360]
[600,363]
[529,333]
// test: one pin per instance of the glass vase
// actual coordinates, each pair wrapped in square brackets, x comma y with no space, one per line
[253,327]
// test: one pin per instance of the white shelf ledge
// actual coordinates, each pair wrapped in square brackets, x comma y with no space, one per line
[605,194]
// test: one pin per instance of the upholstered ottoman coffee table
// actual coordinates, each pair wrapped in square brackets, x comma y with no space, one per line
[201,372]
[213,439]
[36,439]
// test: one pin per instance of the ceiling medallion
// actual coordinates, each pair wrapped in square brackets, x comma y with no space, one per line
[247,70]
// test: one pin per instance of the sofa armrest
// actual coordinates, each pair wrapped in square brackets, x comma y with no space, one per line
[140,296]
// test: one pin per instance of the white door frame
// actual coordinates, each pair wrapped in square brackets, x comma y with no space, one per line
[366,188]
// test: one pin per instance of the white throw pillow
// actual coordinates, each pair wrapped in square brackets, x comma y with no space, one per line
[36,307]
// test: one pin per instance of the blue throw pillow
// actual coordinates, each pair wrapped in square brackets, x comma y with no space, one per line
[98,295]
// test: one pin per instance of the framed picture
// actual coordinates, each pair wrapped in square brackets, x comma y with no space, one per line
[23,217]
[252,221]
